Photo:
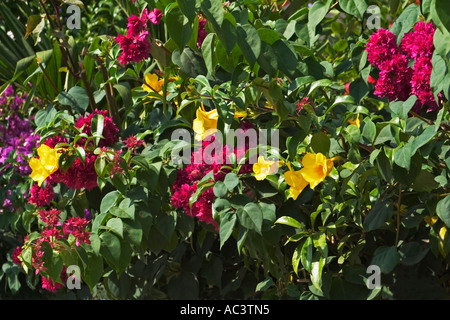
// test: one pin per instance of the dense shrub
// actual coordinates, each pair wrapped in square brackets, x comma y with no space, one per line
[225,150]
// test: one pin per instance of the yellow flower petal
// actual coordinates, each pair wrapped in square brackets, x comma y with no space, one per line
[443,233]
[296,181]
[47,163]
[38,174]
[431,220]
[264,167]
[356,122]
[153,83]
[315,168]
[205,124]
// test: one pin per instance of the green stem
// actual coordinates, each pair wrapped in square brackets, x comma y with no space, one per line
[399,203]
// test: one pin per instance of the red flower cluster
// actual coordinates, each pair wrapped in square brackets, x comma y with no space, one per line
[51,286]
[109,128]
[77,226]
[188,178]
[301,104]
[135,44]
[132,142]
[53,230]
[201,35]
[41,197]
[397,80]
[81,174]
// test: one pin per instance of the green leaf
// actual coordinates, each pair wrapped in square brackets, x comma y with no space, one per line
[320,84]
[264,285]
[231,180]
[133,231]
[251,217]
[189,8]
[97,123]
[213,11]
[296,258]
[384,135]
[94,270]
[354,7]
[110,248]
[443,210]
[352,134]
[289,221]
[35,25]
[425,182]
[76,98]
[208,52]
[109,201]
[316,270]
[316,14]
[227,223]
[179,27]
[220,189]
[402,156]
[268,59]
[442,12]
[269,36]
[412,253]
[369,132]
[320,142]
[190,62]
[183,286]
[287,58]
[381,211]
[228,33]
[78,3]
[249,42]
[115,225]
[423,138]
[307,254]
[385,258]
[200,189]
[405,21]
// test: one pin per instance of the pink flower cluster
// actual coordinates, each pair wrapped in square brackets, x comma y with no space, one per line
[301,104]
[52,231]
[397,80]
[188,178]
[41,197]
[81,174]
[135,45]
[201,35]
[109,128]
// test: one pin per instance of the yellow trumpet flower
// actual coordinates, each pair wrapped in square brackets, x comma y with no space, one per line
[45,165]
[264,167]
[296,181]
[205,124]
[316,167]
[153,83]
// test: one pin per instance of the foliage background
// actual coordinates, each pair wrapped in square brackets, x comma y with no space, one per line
[385,202]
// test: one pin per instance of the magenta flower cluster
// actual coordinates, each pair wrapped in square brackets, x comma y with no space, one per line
[135,45]
[397,79]
[188,178]
[54,230]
